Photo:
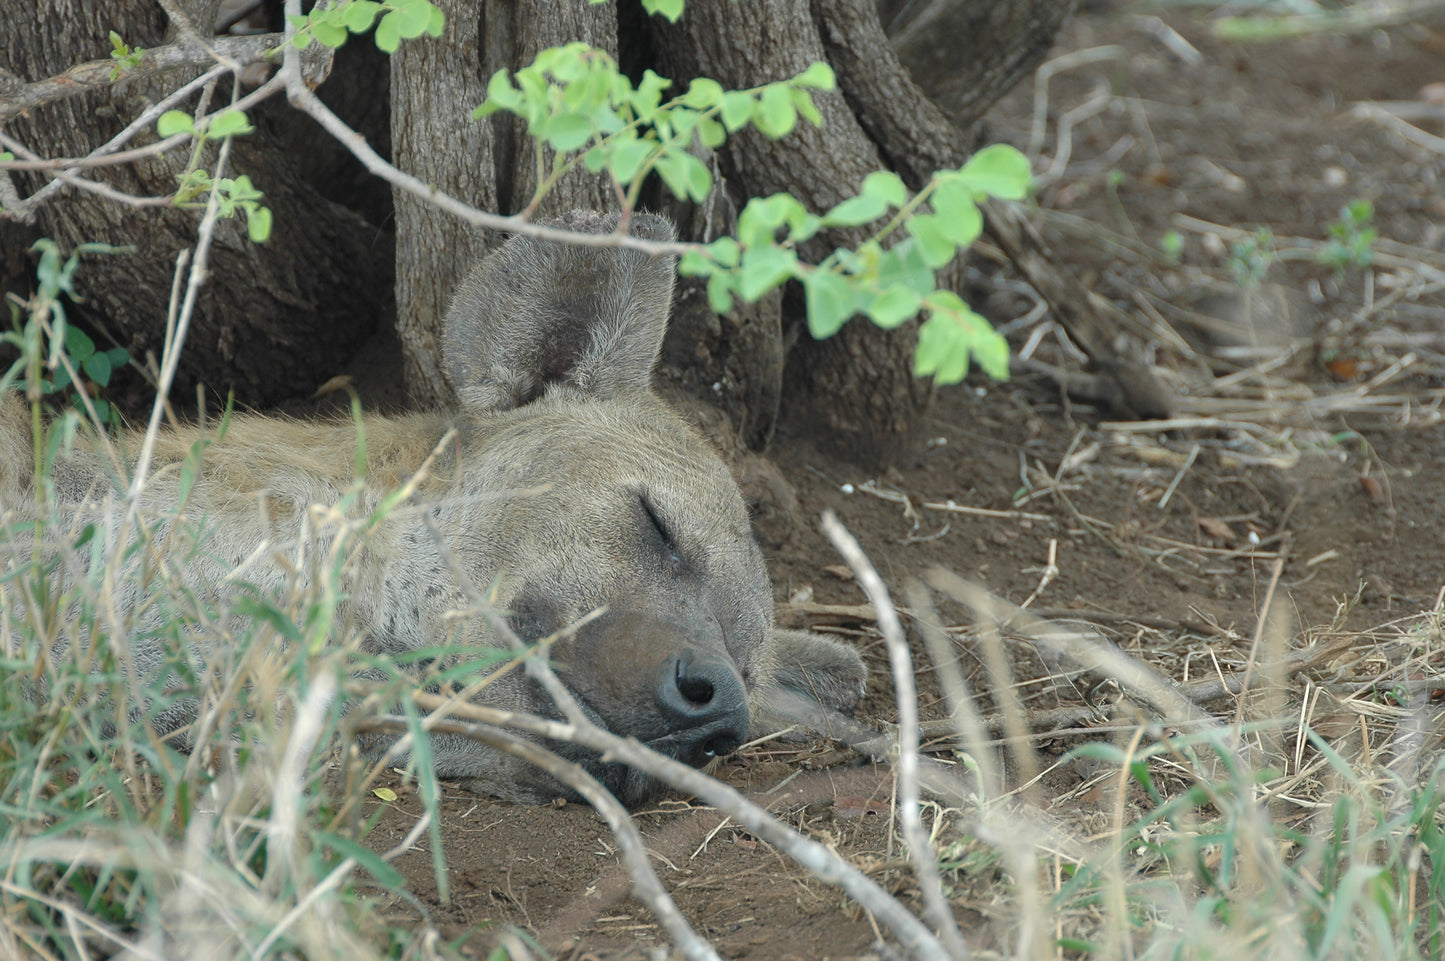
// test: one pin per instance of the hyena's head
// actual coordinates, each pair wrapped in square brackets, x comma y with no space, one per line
[582,491]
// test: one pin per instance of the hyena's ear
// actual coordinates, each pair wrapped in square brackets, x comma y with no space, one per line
[535,316]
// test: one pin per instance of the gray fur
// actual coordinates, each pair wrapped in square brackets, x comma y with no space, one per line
[569,487]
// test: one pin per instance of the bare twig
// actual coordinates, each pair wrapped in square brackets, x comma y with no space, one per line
[304,100]
[924,865]
[646,885]
[24,210]
[823,863]
[1046,72]
[101,74]
[1091,653]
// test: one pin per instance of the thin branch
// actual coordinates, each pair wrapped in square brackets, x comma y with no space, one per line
[823,863]
[24,210]
[929,883]
[646,886]
[303,99]
[176,333]
[101,74]
[35,162]
[1162,694]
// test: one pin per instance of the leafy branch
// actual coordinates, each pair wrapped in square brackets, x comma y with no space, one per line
[574,101]
[395,21]
[237,195]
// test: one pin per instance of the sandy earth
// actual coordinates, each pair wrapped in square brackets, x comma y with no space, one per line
[1348,494]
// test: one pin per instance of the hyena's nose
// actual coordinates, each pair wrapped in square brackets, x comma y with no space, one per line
[703,695]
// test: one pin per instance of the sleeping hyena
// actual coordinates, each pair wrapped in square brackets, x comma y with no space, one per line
[568,487]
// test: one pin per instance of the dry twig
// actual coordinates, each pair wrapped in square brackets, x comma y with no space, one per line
[906,694]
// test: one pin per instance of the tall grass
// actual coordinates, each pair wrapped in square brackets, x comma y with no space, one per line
[126,833]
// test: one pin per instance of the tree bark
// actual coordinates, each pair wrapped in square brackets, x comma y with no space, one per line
[268,310]
[990,47]
[323,277]
[859,382]
[434,84]
[489,163]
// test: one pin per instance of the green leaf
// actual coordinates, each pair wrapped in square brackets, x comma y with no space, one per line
[501,95]
[242,189]
[649,94]
[954,335]
[886,186]
[711,133]
[328,32]
[175,121]
[436,23]
[388,33]
[228,123]
[818,76]
[737,109]
[903,263]
[413,16]
[699,178]
[803,103]
[679,171]
[831,301]
[360,15]
[671,9]
[702,93]
[78,344]
[695,263]
[627,159]
[934,244]
[958,213]
[991,351]
[998,170]
[763,269]
[762,217]
[856,211]
[724,251]
[567,131]
[894,306]
[774,113]
[386,875]
[97,368]
[258,224]
[719,293]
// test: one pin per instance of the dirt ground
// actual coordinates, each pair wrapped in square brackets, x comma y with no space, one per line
[1329,458]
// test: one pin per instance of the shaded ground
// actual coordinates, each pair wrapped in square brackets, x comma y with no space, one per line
[1165,539]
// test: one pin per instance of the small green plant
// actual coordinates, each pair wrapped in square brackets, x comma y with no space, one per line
[1351,242]
[1250,259]
[238,194]
[124,55]
[58,351]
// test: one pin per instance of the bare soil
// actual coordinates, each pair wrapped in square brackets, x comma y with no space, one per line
[1169,553]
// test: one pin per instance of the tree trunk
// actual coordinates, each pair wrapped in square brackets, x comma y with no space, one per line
[860,381]
[990,47]
[490,164]
[322,279]
[268,310]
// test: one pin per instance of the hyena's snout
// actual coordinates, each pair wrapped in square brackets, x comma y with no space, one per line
[672,687]
[703,695]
